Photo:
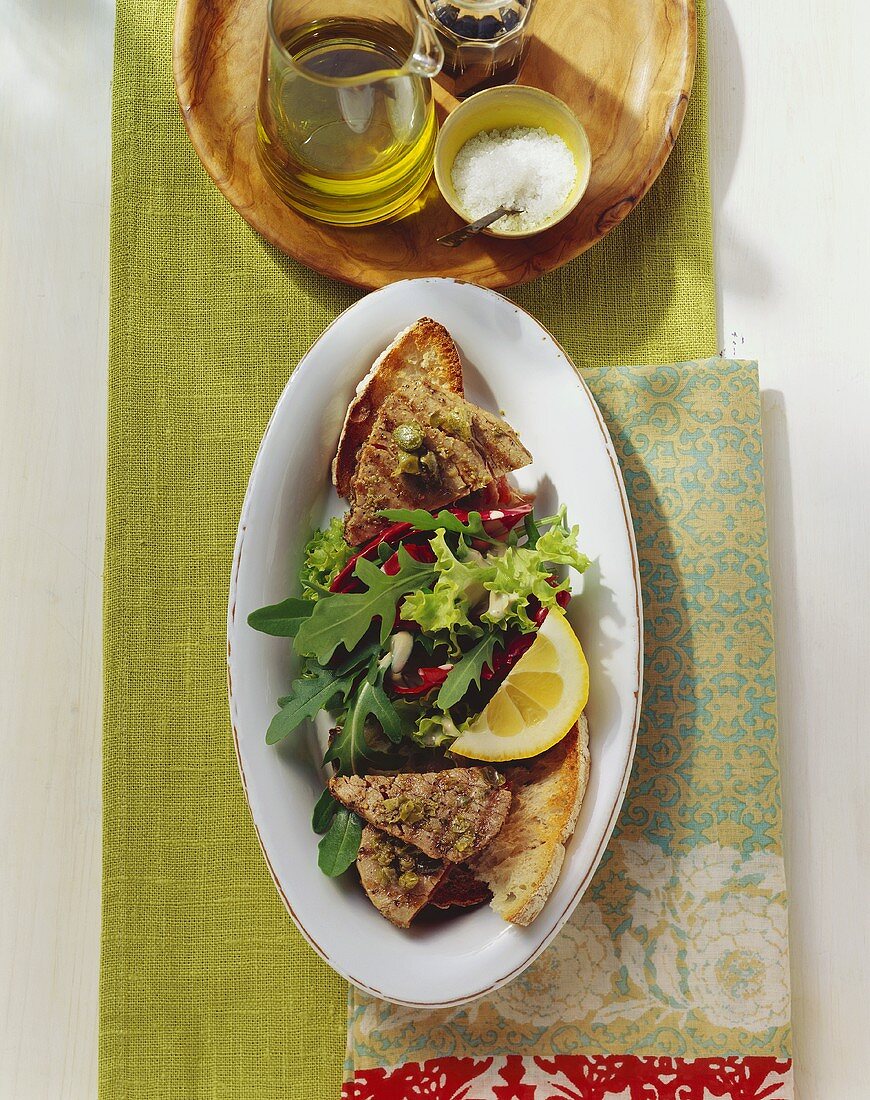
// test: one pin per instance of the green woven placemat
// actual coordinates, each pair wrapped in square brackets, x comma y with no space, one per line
[206,988]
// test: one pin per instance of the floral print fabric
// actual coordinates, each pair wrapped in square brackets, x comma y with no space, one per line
[679,947]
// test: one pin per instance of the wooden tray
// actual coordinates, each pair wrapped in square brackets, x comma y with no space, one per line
[624,66]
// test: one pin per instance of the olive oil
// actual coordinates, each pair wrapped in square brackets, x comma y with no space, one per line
[344,133]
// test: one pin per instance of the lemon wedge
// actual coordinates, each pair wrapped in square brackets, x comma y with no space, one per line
[539,701]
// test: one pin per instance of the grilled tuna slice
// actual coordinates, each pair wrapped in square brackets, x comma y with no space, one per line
[423,350]
[397,877]
[450,815]
[459,889]
[462,448]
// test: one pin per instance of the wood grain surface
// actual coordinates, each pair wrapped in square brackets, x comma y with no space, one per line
[624,66]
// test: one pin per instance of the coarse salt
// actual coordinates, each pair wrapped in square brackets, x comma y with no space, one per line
[523,166]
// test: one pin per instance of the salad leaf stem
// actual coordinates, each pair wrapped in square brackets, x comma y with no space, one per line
[532,531]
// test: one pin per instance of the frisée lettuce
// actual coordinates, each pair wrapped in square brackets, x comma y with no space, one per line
[326,554]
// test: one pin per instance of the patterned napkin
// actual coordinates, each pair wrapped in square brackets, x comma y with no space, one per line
[671,979]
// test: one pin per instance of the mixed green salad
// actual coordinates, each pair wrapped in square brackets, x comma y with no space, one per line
[404,640]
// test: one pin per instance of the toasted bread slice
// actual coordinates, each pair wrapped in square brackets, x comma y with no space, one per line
[471,450]
[423,350]
[522,864]
[398,878]
[450,815]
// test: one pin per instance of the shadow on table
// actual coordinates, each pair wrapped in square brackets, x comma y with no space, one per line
[667,737]
[738,262]
[791,687]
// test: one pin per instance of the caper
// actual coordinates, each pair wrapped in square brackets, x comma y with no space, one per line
[408,464]
[455,422]
[411,811]
[408,437]
[408,880]
[392,807]
[429,464]
[458,425]
[463,843]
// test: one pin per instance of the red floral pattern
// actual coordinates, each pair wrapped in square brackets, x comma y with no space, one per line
[577,1077]
[440,1079]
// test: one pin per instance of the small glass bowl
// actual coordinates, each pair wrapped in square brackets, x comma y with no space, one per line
[500,109]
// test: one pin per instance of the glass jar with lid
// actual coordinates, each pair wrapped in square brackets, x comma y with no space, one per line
[485,41]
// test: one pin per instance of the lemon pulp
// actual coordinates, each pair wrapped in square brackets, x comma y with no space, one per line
[539,701]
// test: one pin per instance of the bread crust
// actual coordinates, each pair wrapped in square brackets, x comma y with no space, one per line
[425,348]
[568,764]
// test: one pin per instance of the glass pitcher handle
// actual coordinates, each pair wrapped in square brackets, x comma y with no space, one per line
[427,56]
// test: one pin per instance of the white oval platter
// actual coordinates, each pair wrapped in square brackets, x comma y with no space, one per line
[512,364]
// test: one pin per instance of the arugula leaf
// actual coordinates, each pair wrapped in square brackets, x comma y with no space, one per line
[532,531]
[466,672]
[427,644]
[351,746]
[308,695]
[340,846]
[324,810]
[373,696]
[359,657]
[342,618]
[281,619]
[443,521]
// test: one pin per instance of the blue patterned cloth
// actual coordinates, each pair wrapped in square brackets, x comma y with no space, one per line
[679,947]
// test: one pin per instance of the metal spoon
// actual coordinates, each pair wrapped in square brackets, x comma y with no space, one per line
[459,236]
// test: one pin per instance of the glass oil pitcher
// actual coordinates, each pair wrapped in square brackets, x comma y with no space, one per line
[345,119]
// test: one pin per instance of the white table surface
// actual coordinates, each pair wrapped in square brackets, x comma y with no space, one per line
[790,165]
